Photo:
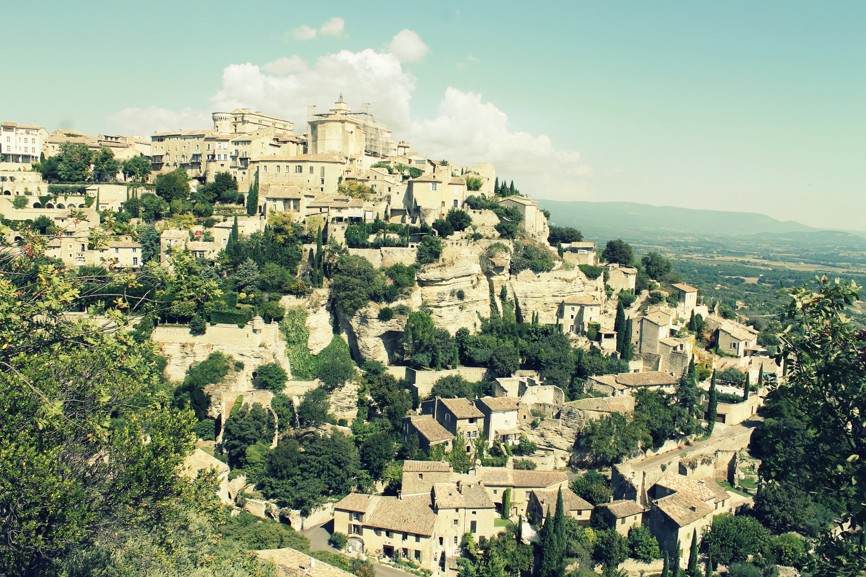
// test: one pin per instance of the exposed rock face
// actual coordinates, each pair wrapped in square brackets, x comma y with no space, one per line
[542,293]
[318,321]
[558,433]
[251,347]
[443,286]
[372,339]
[344,402]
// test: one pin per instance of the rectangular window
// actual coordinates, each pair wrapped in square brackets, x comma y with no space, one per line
[278,169]
[135,261]
[299,169]
[312,170]
[434,186]
[417,555]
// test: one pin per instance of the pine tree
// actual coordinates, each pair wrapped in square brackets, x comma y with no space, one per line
[712,405]
[693,556]
[746,388]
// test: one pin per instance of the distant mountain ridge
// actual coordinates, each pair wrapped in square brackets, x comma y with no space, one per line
[630,219]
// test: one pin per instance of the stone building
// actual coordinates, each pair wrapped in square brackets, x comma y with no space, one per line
[20,144]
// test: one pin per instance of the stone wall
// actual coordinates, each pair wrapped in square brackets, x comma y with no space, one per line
[387,256]
[422,381]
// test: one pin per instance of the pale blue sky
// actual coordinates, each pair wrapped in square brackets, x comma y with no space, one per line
[732,105]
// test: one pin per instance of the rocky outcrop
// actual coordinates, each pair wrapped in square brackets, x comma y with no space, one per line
[456,295]
[542,293]
[318,321]
[557,433]
[344,402]
[251,347]
[372,339]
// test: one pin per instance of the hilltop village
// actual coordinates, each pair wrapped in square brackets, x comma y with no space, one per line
[402,349]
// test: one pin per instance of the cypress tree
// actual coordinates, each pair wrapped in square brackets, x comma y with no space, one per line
[761,376]
[746,388]
[666,569]
[627,347]
[692,325]
[708,571]
[693,556]
[231,243]
[559,250]
[692,371]
[318,262]
[511,190]
[506,503]
[712,405]
[496,186]
[619,325]
[547,547]
[253,196]
[675,562]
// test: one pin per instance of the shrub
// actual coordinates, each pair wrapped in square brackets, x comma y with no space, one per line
[430,249]
[591,272]
[206,429]
[19,202]
[338,541]
[272,311]
[386,314]
[197,325]
[523,464]
[627,298]
[461,294]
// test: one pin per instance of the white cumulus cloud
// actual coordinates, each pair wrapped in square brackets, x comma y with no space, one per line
[407,46]
[365,76]
[469,130]
[333,27]
[304,32]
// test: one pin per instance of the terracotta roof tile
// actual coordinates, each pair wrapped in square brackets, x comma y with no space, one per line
[683,508]
[624,508]
[462,408]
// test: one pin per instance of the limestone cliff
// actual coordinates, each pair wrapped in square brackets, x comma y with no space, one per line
[372,339]
[542,293]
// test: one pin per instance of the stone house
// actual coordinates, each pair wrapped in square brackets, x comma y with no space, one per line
[20,143]
[316,173]
[577,311]
[500,419]
[430,197]
[420,476]
[736,339]
[681,505]
[460,417]
[621,277]
[578,253]
[621,515]
[521,483]
[687,299]
[122,253]
[542,502]
[534,223]
[430,432]
[625,383]
[425,528]
[653,327]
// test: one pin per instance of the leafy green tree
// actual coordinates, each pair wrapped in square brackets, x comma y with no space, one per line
[49,168]
[376,452]
[429,249]
[593,487]
[505,360]
[608,440]
[443,227]
[354,283]
[190,394]
[271,377]
[313,408]
[149,239]
[334,365]
[618,251]
[452,387]
[611,548]
[73,162]
[563,234]
[246,276]
[656,266]
[91,446]
[642,545]
[137,168]
[734,539]
[458,220]
[245,427]
[105,166]
[425,346]
[173,185]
